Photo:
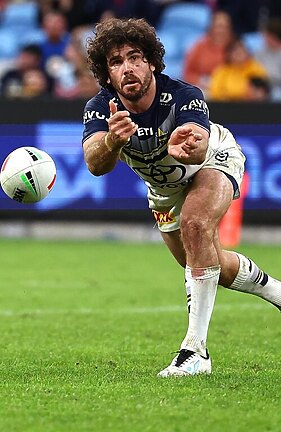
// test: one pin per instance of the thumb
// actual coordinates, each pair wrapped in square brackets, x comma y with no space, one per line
[184,130]
[112,107]
[179,134]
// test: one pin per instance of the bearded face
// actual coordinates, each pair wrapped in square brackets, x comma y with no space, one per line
[129,72]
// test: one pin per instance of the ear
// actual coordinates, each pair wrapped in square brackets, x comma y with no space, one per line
[152,68]
[108,80]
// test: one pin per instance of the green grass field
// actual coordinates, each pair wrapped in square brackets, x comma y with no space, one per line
[86,326]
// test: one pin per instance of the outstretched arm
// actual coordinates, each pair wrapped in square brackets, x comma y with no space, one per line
[188,144]
[101,150]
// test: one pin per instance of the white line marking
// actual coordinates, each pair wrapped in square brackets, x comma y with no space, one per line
[125,311]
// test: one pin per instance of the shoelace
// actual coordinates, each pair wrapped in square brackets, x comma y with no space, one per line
[183,356]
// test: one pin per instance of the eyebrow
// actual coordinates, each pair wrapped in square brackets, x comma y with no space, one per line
[133,51]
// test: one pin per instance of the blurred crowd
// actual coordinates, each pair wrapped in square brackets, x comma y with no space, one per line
[230,49]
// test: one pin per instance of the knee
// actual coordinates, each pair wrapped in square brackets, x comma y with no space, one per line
[196,228]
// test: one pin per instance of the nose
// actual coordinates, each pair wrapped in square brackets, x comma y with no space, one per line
[127,66]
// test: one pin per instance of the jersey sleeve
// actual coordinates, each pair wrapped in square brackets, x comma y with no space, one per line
[191,107]
[96,114]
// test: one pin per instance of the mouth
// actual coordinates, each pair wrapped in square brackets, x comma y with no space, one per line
[130,82]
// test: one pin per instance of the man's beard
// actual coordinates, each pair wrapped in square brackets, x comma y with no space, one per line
[135,95]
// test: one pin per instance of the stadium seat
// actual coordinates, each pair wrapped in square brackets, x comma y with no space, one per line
[175,48]
[9,45]
[187,16]
[254,41]
[188,40]
[180,26]
[20,14]
[173,68]
[34,36]
[20,18]
[170,42]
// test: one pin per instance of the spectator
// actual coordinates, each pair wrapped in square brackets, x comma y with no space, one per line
[85,86]
[57,37]
[29,58]
[244,14]
[230,81]
[73,10]
[3,4]
[208,52]
[249,15]
[73,75]
[258,89]
[34,84]
[270,56]
[122,9]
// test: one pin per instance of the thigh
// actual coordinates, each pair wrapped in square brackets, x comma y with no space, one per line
[209,197]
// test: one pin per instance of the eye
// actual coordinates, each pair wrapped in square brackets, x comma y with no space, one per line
[115,63]
[135,58]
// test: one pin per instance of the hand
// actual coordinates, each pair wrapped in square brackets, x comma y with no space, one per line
[185,145]
[121,127]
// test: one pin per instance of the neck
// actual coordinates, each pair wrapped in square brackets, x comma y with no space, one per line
[144,102]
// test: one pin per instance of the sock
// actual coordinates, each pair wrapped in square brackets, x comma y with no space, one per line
[203,284]
[188,287]
[251,279]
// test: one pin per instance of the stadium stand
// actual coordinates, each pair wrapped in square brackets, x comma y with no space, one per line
[179,27]
[9,46]
[254,41]
[19,17]
[33,36]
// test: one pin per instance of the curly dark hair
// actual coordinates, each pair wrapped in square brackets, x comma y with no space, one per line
[116,32]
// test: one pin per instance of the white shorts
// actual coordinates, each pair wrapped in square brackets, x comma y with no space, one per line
[229,160]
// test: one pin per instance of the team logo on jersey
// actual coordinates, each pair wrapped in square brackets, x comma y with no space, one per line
[196,105]
[161,174]
[162,136]
[163,217]
[165,98]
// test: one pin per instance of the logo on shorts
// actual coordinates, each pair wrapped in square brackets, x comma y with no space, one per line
[163,217]
[222,156]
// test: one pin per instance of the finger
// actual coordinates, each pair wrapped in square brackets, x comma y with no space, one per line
[127,129]
[198,136]
[183,130]
[179,134]
[125,133]
[187,148]
[121,119]
[112,107]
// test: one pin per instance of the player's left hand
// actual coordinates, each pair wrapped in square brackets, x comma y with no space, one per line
[185,145]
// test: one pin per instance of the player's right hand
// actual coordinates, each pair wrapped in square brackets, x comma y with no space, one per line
[121,127]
